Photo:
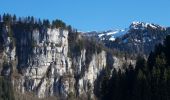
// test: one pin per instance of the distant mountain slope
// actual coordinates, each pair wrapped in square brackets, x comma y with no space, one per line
[140,37]
[107,35]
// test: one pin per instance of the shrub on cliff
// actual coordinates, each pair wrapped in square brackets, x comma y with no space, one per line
[6,91]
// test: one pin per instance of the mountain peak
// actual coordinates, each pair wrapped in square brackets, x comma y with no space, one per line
[143,25]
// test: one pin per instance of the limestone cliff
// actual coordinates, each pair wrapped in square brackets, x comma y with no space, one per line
[40,59]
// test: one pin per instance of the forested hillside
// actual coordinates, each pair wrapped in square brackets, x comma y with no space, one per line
[148,80]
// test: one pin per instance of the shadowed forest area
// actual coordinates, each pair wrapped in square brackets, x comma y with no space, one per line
[149,80]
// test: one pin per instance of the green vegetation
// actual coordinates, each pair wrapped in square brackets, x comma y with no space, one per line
[58,24]
[149,80]
[71,96]
[31,23]
[6,90]
[77,43]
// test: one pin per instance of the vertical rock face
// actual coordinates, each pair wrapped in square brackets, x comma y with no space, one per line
[86,83]
[8,53]
[45,67]
[48,63]
[48,67]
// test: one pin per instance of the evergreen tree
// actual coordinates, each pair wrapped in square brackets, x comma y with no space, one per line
[46,23]
[32,20]
[19,20]
[167,49]
[6,90]
[141,89]
[39,22]
[0,18]
[105,88]
[113,86]
[161,61]
[69,28]
[155,83]
[167,83]
[58,24]
[151,61]
[141,64]
[14,18]
[7,19]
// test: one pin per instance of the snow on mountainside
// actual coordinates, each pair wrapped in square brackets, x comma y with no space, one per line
[139,37]
[110,35]
[143,25]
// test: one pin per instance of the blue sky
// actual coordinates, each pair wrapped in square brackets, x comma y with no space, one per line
[88,15]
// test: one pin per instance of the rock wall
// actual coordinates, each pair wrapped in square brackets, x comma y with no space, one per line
[44,67]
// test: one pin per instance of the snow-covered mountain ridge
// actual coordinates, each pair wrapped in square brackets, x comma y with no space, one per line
[139,36]
[111,35]
[143,25]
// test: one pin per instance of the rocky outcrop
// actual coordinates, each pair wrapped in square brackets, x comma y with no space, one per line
[86,83]
[8,53]
[45,68]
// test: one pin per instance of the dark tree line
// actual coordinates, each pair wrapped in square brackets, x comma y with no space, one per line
[31,21]
[149,80]
[6,91]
